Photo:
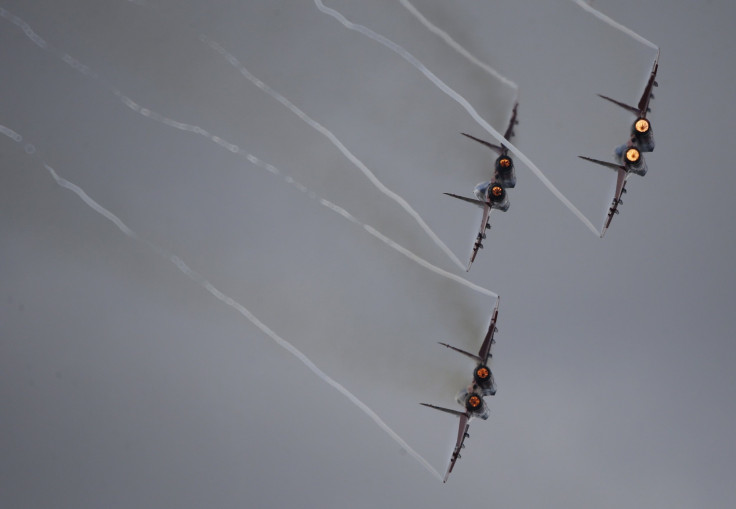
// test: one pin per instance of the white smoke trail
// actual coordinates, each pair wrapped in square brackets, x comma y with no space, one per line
[11,134]
[460,100]
[337,143]
[460,49]
[235,149]
[201,281]
[304,189]
[615,24]
[25,27]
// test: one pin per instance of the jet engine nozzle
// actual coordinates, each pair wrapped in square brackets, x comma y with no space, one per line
[642,135]
[474,403]
[641,125]
[504,164]
[634,161]
[481,374]
[496,193]
[633,156]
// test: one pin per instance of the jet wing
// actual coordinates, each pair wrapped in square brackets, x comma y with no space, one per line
[647,95]
[484,224]
[620,190]
[485,349]
[462,434]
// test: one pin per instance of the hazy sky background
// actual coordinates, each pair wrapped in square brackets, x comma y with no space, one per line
[124,383]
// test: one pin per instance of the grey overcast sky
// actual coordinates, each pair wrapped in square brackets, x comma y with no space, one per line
[128,381]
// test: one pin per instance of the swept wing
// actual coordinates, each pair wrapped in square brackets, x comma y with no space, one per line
[620,188]
[484,225]
[462,434]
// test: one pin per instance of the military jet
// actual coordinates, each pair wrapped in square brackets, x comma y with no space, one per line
[471,398]
[631,161]
[642,137]
[490,195]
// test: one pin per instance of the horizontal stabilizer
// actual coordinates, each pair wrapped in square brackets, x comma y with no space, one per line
[469,200]
[446,410]
[467,354]
[632,109]
[497,148]
[613,166]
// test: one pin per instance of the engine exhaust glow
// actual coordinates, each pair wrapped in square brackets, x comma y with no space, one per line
[641,125]
[632,155]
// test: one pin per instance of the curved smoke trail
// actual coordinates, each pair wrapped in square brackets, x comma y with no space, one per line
[462,102]
[210,288]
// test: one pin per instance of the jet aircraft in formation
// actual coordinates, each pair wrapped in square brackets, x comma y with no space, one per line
[471,397]
[629,158]
[492,194]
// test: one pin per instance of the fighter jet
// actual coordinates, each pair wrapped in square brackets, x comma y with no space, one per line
[503,171]
[631,161]
[642,137]
[471,398]
[490,195]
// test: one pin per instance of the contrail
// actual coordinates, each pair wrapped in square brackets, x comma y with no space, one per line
[209,287]
[460,100]
[457,47]
[304,189]
[33,36]
[232,147]
[337,143]
[615,24]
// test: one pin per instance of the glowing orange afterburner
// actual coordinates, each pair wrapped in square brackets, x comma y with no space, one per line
[642,125]
[632,155]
